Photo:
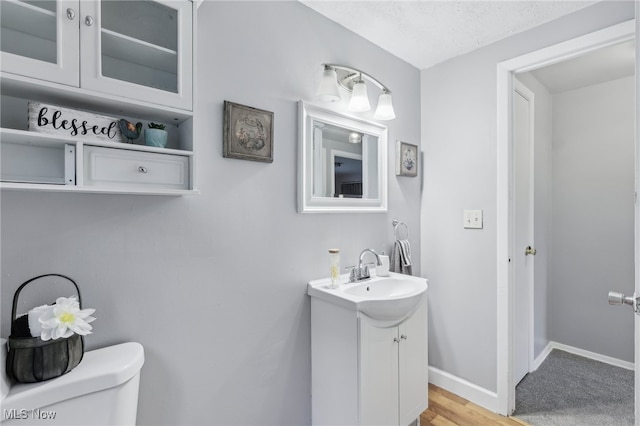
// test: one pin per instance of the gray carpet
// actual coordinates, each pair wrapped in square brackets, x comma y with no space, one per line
[569,390]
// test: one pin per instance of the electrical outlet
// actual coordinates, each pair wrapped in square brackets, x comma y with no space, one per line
[473,219]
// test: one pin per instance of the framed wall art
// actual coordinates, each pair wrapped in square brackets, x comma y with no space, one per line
[248,133]
[406,159]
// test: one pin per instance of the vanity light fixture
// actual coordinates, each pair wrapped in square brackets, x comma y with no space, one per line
[353,80]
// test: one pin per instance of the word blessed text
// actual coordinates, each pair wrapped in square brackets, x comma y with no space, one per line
[24,414]
[74,125]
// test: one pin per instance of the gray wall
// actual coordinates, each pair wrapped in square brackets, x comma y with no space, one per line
[214,285]
[592,220]
[459,142]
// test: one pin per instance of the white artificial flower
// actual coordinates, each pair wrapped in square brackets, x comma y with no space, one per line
[65,319]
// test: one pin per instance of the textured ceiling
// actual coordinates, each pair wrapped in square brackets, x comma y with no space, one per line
[427,32]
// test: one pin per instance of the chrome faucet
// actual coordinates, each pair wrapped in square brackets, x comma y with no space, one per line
[361,272]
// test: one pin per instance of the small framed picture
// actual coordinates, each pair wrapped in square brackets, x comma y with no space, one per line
[248,133]
[406,159]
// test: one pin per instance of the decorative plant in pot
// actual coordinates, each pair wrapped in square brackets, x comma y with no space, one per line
[155,135]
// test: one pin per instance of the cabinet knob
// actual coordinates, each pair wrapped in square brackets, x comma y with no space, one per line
[88,20]
[403,336]
[395,339]
[71,14]
[143,169]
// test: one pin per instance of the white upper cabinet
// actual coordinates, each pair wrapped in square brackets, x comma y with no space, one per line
[97,60]
[40,39]
[140,50]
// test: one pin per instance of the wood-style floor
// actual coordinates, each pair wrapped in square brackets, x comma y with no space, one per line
[448,409]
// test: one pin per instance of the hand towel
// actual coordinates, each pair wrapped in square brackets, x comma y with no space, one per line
[35,326]
[402,257]
[29,325]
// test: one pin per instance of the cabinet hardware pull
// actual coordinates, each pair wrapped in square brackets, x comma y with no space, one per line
[395,340]
[71,14]
[88,21]
[143,169]
[403,336]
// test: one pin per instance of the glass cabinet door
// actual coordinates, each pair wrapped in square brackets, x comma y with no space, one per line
[140,49]
[40,39]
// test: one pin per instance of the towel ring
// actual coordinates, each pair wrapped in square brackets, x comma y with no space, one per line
[396,224]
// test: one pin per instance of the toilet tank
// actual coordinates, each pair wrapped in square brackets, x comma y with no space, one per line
[101,390]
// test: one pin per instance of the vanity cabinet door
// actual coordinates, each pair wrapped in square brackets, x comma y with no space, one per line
[413,366]
[139,49]
[378,374]
[40,39]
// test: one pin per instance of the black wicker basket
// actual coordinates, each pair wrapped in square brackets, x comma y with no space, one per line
[31,359]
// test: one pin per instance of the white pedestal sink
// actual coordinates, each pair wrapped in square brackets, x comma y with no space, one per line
[391,298]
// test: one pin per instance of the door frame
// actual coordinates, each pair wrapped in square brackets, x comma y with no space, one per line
[505,174]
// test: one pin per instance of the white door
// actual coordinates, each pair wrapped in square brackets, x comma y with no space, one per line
[637,220]
[523,228]
[635,299]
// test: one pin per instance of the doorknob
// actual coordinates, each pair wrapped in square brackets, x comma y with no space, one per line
[529,250]
[616,298]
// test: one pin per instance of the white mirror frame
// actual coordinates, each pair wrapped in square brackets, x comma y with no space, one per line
[307,203]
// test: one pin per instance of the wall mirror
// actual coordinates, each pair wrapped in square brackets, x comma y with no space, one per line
[342,165]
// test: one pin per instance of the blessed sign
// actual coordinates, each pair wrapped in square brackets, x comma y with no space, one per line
[54,119]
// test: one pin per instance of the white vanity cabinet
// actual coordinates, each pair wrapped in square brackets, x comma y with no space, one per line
[367,372]
[131,59]
[136,49]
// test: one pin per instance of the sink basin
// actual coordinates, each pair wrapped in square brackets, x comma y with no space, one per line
[391,298]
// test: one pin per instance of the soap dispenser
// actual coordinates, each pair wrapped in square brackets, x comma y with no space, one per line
[382,270]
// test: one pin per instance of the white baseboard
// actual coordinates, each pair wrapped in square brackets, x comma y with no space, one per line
[489,400]
[580,352]
[543,355]
[464,388]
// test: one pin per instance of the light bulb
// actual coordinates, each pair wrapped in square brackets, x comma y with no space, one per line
[355,137]
[359,99]
[328,89]
[384,111]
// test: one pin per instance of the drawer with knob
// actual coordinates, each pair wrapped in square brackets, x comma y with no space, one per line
[122,168]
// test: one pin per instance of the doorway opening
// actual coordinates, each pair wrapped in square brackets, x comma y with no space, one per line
[507,248]
[573,223]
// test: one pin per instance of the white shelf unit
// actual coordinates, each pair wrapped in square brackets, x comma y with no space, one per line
[37,161]
[133,62]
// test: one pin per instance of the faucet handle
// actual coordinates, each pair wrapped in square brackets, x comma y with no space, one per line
[353,276]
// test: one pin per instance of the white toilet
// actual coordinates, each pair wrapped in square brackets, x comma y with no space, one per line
[101,390]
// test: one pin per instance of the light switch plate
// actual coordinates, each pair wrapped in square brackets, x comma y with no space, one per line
[473,219]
